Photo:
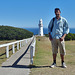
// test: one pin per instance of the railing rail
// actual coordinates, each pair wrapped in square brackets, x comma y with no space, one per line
[32,50]
[21,42]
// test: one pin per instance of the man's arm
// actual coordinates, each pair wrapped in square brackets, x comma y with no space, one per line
[50,37]
[62,38]
[49,29]
[66,30]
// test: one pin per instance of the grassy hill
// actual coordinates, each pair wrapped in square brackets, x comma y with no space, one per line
[11,33]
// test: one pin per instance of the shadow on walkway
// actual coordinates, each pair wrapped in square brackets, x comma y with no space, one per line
[26,66]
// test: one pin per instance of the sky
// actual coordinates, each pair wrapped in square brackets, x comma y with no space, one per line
[27,13]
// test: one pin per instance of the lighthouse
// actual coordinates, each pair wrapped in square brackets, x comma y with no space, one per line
[40,32]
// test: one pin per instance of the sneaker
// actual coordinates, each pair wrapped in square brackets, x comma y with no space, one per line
[64,65]
[53,65]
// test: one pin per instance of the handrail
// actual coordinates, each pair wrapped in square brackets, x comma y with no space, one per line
[21,42]
[32,50]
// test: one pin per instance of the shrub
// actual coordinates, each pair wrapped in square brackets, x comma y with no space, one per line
[69,36]
[11,33]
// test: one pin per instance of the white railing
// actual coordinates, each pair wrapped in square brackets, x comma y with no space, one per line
[21,42]
[32,50]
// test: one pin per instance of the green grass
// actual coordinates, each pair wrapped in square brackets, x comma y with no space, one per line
[43,59]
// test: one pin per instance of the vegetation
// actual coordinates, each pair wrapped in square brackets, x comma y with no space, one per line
[43,59]
[69,36]
[13,33]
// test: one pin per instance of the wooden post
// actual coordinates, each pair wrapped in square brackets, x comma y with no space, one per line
[13,48]
[26,40]
[17,45]
[20,44]
[7,51]
[34,49]
[31,54]
[23,42]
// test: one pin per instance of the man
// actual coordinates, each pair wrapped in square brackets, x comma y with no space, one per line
[57,34]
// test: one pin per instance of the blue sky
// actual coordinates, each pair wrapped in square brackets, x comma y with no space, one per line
[26,13]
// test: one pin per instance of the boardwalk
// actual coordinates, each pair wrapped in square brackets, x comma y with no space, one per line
[18,63]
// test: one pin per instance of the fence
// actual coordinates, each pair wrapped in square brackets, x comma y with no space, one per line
[32,50]
[19,43]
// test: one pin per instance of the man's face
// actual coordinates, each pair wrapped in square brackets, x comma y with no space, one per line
[57,13]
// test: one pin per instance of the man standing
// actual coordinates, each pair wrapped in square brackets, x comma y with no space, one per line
[58,29]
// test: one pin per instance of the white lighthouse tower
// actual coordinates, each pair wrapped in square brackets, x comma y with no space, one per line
[40,28]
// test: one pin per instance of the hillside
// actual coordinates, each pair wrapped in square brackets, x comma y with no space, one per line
[11,33]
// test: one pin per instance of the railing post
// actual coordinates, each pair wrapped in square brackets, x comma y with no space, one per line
[31,54]
[34,49]
[17,45]
[13,47]
[20,44]
[7,51]
[23,42]
[26,40]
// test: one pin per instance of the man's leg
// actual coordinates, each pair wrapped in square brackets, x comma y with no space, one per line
[55,51]
[62,61]
[62,52]
[54,61]
[62,58]
[54,58]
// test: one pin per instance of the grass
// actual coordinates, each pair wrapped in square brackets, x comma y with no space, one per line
[3,51]
[43,59]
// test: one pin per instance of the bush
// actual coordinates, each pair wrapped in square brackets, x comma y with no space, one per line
[11,33]
[68,37]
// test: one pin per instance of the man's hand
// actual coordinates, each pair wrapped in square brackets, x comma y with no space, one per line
[50,37]
[62,38]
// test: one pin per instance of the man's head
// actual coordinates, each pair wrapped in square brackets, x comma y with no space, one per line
[57,12]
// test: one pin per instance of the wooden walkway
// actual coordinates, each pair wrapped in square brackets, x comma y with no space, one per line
[18,63]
